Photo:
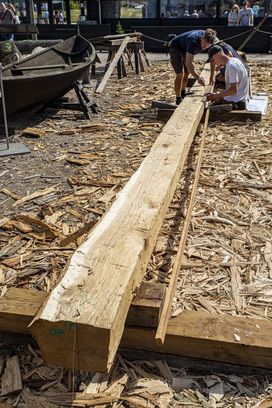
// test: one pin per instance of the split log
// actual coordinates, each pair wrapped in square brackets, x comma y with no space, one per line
[81,323]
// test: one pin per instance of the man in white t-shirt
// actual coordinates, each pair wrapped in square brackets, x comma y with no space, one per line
[236,78]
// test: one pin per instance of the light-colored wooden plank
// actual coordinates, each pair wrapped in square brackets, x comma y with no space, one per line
[85,314]
[112,65]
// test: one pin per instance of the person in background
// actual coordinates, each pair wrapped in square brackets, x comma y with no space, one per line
[61,17]
[56,17]
[7,17]
[256,9]
[194,14]
[182,50]
[233,16]
[46,17]
[12,8]
[246,17]
[236,79]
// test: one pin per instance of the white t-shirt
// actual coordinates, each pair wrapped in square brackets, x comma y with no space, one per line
[236,73]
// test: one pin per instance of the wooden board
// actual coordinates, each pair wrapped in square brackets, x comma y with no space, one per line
[82,321]
[240,116]
[236,115]
[191,334]
[112,65]
[18,307]
[231,339]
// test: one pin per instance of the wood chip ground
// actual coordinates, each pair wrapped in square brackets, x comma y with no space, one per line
[51,199]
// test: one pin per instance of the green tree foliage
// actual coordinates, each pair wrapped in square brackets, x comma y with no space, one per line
[119,28]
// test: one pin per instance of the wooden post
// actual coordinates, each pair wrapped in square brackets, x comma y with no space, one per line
[31,17]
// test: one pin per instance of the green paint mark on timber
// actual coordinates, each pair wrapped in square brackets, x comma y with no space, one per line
[56,332]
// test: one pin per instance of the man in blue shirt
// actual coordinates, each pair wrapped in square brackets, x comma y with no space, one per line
[182,50]
[246,15]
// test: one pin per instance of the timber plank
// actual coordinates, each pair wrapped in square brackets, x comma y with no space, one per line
[18,307]
[231,339]
[165,114]
[85,314]
[191,334]
[112,65]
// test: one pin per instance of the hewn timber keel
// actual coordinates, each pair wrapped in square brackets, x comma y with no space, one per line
[81,323]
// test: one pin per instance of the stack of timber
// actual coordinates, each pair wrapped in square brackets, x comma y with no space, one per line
[106,270]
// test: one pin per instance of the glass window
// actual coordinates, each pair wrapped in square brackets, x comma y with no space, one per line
[129,9]
[138,9]
[188,8]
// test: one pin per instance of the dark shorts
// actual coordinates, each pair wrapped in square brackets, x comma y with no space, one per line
[177,60]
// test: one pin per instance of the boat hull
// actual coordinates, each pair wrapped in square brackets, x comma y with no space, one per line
[40,79]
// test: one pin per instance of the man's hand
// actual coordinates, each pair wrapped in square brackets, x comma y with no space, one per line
[201,80]
[212,96]
[212,80]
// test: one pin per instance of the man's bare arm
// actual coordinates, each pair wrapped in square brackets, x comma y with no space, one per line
[191,68]
[232,90]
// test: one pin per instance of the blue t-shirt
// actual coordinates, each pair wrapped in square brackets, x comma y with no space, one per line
[245,15]
[188,42]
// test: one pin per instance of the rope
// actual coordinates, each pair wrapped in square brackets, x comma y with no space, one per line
[225,39]
[154,39]
[264,32]
[238,35]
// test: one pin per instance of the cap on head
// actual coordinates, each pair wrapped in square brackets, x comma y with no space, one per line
[215,49]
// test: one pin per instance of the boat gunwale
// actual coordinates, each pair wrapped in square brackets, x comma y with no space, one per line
[47,74]
[90,59]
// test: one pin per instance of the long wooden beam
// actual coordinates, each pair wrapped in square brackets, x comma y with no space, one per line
[18,307]
[231,339]
[89,306]
[112,65]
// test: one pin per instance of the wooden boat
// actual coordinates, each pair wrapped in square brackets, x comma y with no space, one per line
[45,76]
